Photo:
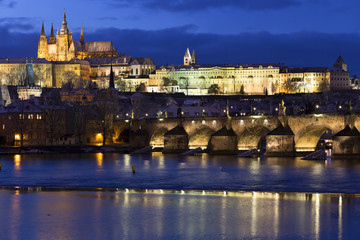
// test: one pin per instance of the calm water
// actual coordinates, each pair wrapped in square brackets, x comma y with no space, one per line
[172,215]
[159,171]
[171,197]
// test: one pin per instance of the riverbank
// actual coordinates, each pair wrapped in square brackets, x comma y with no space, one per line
[124,149]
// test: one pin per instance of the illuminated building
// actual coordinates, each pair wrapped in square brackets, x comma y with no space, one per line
[64,48]
[25,120]
[195,79]
[13,71]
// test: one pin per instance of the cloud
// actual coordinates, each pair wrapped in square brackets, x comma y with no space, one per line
[298,49]
[107,18]
[17,23]
[12,4]
[196,5]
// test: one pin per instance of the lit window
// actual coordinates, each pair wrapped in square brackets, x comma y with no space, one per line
[38,116]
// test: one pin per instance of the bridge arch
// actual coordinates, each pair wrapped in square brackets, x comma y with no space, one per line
[250,138]
[157,138]
[201,137]
[309,138]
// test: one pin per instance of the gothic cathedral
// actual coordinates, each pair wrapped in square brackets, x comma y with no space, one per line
[63,48]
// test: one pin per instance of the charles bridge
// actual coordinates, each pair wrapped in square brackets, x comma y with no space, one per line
[247,132]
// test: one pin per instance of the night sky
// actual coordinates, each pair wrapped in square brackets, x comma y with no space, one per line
[293,32]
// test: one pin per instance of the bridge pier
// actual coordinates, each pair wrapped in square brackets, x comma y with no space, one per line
[347,142]
[139,139]
[280,142]
[176,140]
[223,141]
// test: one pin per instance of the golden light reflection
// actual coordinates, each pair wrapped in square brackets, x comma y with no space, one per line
[127,160]
[99,159]
[317,215]
[276,215]
[254,219]
[161,162]
[340,218]
[17,161]
[15,216]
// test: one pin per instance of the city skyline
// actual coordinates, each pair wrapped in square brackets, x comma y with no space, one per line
[264,33]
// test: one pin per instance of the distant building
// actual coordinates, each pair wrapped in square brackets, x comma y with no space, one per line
[252,79]
[23,121]
[29,89]
[231,78]
[80,95]
[340,79]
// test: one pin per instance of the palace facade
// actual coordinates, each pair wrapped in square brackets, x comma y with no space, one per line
[196,79]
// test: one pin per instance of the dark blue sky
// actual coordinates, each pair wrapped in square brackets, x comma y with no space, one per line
[294,32]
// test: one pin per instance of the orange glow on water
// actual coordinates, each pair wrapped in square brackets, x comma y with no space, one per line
[17,161]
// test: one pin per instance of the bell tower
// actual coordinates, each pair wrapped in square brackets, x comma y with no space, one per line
[340,63]
[52,36]
[193,57]
[63,41]
[187,57]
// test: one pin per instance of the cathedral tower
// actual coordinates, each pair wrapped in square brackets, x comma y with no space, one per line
[187,57]
[63,41]
[52,35]
[82,35]
[43,44]
[193,57]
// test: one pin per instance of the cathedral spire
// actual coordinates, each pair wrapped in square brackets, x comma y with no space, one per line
[64,29]
[52,36]
[111,83]
[187,57]
[193,57]
[82,35]
[42,29]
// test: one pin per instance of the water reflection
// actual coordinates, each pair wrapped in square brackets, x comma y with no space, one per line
[340,218]
[99,159]
[17,161]
[163,214]
[203,172]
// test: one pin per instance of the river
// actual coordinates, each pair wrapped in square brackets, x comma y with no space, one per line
[97,196]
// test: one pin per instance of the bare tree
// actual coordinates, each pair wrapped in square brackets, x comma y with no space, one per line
[80,123]
[73,77]
[167,82]
[214,89]
[21,125]
[55,123]
[105,109]
[41,75]
[141,87]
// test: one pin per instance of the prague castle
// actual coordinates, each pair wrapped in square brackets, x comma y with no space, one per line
[196,79]
[64,48]
[61,59]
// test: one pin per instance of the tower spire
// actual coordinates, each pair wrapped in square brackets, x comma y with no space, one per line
[64,29]
[52,36]
[82,35]
[193,57]
[42,29]
[111,83]
[187,57]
